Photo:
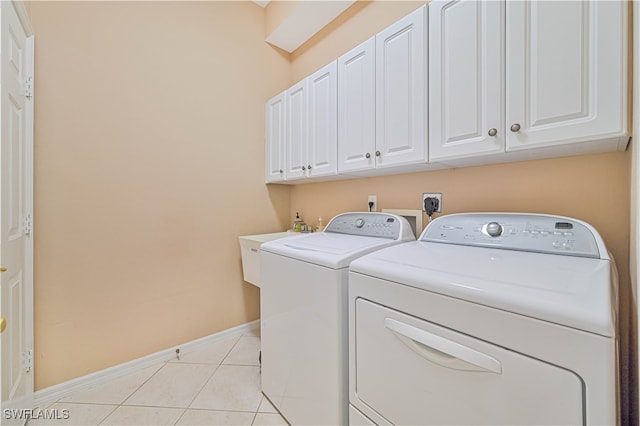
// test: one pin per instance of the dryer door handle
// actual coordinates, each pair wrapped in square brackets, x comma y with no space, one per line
[443,351]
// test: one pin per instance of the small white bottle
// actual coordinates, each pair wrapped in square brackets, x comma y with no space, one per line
[319,225]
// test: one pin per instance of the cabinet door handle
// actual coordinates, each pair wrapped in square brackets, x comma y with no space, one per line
[493,132]
[515,128]
[309,167]
[304,168]
[281,171]
[367,155]
[377,153]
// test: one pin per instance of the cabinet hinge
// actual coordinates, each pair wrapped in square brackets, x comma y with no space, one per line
[28,87]
[27,360]
[27,224]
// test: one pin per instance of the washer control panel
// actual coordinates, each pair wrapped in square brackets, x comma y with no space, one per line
[513,231]
[381,225]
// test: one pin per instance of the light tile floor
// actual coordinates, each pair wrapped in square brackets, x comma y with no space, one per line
[218,384]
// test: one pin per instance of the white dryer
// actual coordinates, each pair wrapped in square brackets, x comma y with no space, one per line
[304,323]
[489,318]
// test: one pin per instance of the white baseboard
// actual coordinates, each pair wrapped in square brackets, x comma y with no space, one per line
[46,396]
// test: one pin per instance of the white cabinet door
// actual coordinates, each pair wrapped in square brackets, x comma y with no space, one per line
[274,138]
[296,131]
[322,139]
[401,92]
[566,72]
[466,89]
[357,108]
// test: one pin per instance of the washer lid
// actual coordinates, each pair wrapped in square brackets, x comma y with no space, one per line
[576,292]
[326,249]
[346,237]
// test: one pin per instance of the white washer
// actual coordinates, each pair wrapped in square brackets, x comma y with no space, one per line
[304,323]
[489,318]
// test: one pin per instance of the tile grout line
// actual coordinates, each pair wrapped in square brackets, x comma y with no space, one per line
[211,378]
[164,364]
[83,403]
[108,414]
[131,394]
[214,372]
[202,387]
[253,420]
[231,350]
[181,416]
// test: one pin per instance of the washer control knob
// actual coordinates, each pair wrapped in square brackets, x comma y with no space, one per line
[494,229]
[359,223]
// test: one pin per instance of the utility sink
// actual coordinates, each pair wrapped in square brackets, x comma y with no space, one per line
[250,250]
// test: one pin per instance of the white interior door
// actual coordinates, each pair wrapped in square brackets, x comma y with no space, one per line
[16,238]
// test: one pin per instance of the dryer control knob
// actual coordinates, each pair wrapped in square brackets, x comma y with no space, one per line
[494,229]
[359,223]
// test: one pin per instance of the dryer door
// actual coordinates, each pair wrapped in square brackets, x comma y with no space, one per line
[411,371]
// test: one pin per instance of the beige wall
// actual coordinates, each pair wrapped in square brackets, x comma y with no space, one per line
[593,188]
[149,140]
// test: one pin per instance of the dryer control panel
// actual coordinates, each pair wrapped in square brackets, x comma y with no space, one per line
[381,225]
[517,231]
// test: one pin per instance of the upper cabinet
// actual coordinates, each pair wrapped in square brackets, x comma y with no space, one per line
[311,134]
[296,130]
[468,83]
[401,92]
[357,108]
[323,122]
[466,79]
[382,95]
[532,79]
[566,74]
[274,138]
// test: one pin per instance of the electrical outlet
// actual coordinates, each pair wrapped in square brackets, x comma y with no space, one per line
[433,195]
[372,199]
